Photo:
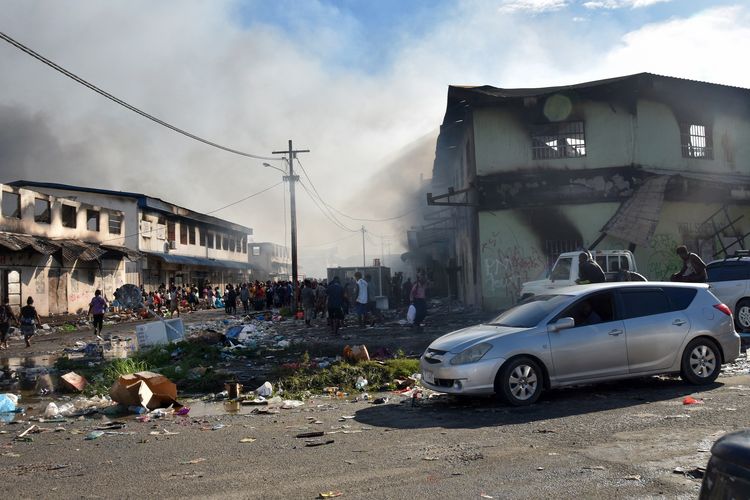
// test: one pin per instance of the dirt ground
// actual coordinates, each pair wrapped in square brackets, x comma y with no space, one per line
[607,441]
[613,440]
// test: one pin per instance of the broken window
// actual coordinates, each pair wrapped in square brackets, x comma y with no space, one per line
[210,240]
[558,140]
[11,205]
[115,223]
[41,211]
[696,141]
[224,241]
[231,244]
[69,215]
[171,230]
[183,234]
[92,220]
[191,234]
[202,236]
[243,242]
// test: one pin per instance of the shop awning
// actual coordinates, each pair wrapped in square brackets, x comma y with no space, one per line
[74,250]
[199,261]
[17,242]
[132,255]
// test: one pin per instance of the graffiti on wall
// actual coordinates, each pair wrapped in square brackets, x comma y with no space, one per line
[662,261]
[506,268]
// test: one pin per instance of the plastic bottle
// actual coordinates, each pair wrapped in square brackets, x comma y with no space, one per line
[140,410]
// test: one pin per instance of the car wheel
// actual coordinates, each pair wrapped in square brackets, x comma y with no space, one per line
[701,362]
[520,382]
[742,316]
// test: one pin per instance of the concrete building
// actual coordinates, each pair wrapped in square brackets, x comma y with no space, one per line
[645,162]
[62,242]
[271,261]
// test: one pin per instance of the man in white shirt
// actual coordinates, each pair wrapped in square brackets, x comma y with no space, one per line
[361,305]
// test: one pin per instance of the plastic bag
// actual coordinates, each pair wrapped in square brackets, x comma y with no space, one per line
[8,402]
[411,314]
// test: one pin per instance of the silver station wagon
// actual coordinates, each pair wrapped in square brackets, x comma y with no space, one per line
[585,334]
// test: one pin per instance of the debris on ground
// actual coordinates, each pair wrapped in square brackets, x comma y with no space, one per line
[146,389]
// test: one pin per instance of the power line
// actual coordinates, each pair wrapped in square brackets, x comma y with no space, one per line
[333,220]
[111,97]
[320,198]
[343,214]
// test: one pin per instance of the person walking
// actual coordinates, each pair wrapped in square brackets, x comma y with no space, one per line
[361,303]
[6,316]
[29,320]
[245,298]
[335,295]
[97,306]
[174,302]
[371,303]
[308,302]
[418,297]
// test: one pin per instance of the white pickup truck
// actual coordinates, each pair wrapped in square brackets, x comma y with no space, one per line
[565,271]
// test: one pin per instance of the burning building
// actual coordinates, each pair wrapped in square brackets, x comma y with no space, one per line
[644,162]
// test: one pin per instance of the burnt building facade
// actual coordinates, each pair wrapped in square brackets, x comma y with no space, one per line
[645,162]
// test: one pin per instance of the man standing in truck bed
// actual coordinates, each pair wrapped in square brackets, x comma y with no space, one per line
[588,270]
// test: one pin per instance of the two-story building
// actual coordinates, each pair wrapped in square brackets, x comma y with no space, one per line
[102,239]
[645,162]
[271,261]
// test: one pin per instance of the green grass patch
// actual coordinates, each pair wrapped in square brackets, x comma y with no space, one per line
[296,382]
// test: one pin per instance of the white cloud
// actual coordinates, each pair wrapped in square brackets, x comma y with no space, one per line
[535,6]
[621,4]
[254,88]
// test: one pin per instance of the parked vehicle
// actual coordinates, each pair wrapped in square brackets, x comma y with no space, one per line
[565,271]
[728,471]
[729,280]
[586,334]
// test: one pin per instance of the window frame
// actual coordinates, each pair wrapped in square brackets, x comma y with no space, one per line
[623,310]
[65,207]
[704,150]
[37,218]
[114,217]
[18,212]
[183,234]
[97,219]
[543,134]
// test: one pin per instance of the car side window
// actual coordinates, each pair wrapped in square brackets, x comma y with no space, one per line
[680,297]
[591,310]
[638,303]
[728,271]
[561,270]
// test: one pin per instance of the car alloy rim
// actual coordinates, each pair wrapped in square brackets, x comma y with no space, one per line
[744,316]
[522,382]
[703,361]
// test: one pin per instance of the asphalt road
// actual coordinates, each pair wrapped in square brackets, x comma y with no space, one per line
[606,441]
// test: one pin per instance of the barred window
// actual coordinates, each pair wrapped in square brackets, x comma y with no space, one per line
[558,140]
[115,223]
[696,141]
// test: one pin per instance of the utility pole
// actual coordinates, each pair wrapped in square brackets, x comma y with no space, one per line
[292,154]
[364,262]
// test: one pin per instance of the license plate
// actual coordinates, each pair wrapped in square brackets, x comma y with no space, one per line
[428,377]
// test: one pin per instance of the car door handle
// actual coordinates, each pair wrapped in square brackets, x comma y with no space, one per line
[615,332]
[679,322]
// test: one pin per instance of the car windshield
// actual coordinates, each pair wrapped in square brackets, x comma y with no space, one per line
[530,311]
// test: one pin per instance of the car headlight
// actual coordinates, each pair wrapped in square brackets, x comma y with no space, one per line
[472,354]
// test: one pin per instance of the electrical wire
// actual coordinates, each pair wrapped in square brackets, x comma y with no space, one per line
[333,220]
[119,101]
[320,198]
[342,213]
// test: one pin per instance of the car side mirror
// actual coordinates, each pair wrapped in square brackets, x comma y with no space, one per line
[561,324]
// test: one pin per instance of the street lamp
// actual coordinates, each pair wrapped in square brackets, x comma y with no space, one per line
[277,168]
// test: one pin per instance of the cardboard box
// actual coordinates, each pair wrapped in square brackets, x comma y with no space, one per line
[146,389]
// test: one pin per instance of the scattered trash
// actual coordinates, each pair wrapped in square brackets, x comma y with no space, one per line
[318,443]
[695,473]
[330,494]
[94,435]
[264,390]
[247,440]
[218,427]
[430,459]
[310,434]
[540,468]
[193,462]
[633,477]
[8,403]
[356,353]
[380,401]
[289,404]
[361,383]
[692,401]
[51,411]
[144,388]
[73,381]
[593,467]
[233,389]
